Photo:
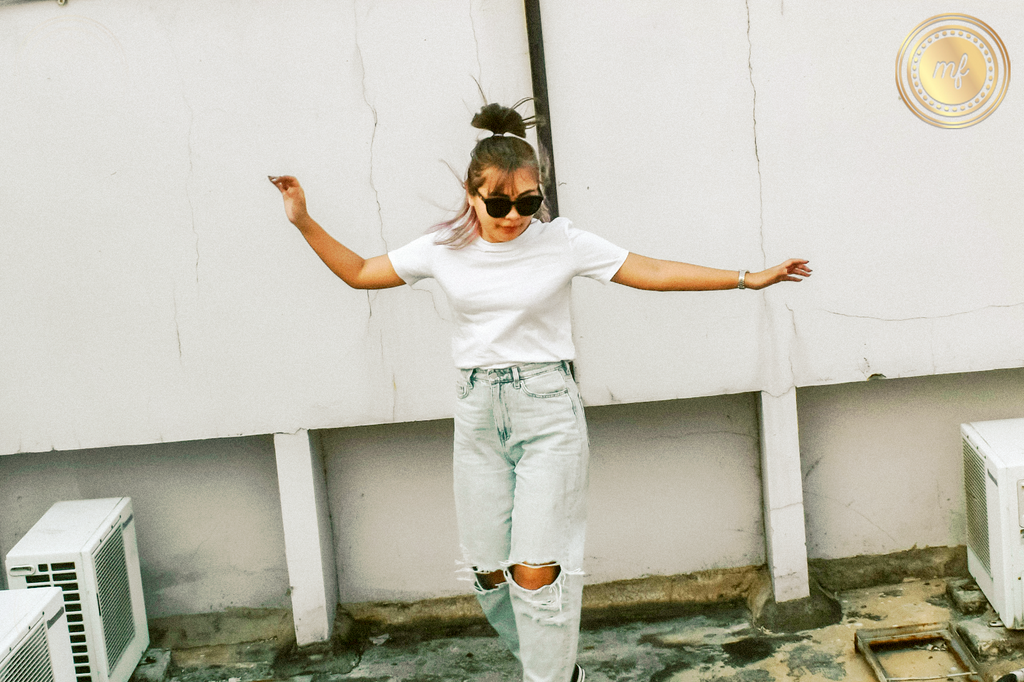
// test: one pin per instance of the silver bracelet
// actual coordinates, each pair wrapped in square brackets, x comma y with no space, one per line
[742,284]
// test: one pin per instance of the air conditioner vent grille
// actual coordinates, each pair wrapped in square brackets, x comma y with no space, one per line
[977,506]
[31,662]
[115,596]
[67,580]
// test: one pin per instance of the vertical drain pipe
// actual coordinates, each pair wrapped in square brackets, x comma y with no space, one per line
[538,72]
[539,75]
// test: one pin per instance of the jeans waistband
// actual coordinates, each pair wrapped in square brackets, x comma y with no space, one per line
[515,373]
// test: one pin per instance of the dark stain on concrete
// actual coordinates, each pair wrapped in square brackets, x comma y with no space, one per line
[671,668]
[750,650]
[615,667]
[860,615]
[659,664]
[805,659]
[667,665]
[756,675]
[668,671]
[661,641]
[737,653]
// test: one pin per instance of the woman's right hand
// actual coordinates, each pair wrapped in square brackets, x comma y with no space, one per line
[357,272]
[294,197]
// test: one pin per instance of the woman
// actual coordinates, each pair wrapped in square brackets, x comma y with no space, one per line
[521,448]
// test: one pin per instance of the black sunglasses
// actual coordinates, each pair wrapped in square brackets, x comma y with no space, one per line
[499,207]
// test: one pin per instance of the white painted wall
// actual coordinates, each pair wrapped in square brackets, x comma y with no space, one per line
[150,286]
[675,485]
[152,291]
[882,460]
[913,227]
[739,133]
[675,488]
[207,512]
[392,510]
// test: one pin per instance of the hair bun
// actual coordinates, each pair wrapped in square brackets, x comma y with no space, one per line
[501,120]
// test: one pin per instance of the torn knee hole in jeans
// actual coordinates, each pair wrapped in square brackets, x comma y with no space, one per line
[533,575]
[488,581]
[549,597]
[472,571]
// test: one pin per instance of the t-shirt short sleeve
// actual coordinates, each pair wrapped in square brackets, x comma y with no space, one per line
[593,256]
[414,261]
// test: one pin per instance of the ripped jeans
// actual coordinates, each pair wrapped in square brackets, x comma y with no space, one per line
[520,464]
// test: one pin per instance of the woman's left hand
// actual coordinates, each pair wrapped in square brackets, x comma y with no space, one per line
[793,270]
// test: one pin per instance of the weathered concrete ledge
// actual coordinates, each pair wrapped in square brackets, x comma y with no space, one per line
[224,638]
[851,573]
[705,587]
[649,597]
[249,635]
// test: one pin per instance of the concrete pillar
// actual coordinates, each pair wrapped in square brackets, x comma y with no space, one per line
[308,539]
[783,496]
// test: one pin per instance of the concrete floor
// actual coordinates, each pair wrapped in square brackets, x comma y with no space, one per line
[720,645]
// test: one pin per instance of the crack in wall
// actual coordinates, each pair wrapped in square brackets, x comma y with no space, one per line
[190,133]
[813,466]
[684,435]
[476,44]
[394,396]
[373,136]
[177,327]
[191,151]
[779,395]
[850,507]
[790,505]
[792,318]
[922,317]
[757,154]
[372,180]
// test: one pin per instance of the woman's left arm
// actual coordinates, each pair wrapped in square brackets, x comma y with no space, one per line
[641,272]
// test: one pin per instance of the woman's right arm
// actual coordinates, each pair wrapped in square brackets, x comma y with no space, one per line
[357,272]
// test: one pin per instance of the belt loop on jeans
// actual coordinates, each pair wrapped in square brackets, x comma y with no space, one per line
[515,377]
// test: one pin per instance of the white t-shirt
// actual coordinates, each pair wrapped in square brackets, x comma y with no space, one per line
[511,299]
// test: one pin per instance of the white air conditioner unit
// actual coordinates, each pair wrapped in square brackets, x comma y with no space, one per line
[88,549]
[34,643]
[994,492]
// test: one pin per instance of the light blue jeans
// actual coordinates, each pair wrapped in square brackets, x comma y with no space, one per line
[521,456]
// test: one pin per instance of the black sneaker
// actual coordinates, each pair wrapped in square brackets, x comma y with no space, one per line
[578,675]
